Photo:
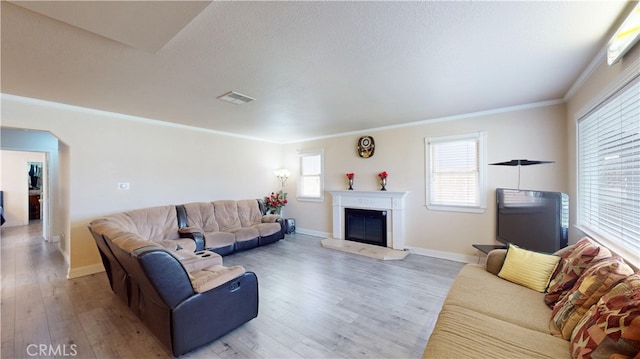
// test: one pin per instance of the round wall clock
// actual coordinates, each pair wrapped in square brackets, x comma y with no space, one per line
[366,146]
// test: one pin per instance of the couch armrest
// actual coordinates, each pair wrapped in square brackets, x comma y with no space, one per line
[214,276]
[187,230]
[270,218]
[495,259]
[193,262]
[194,233]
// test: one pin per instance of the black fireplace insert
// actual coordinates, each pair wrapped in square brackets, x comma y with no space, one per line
[366,226]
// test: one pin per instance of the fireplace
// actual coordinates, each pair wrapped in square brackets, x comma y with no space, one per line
[390,202]
[365,226]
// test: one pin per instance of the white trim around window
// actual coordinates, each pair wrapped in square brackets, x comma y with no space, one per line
[456,173]
[311,180]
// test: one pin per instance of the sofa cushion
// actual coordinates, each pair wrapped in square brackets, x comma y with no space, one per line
[155,223]
[250,216]
[214,276]
[528,268]
[612,326]
[495,260]
[245,233]
[270,218]
[129,242]
[627,284]
[249,212]
[218,239]
[267,229]
[201,215]
[180,244]
[483,292]
[593,284]
[227,215]
[571,266]
[465,333]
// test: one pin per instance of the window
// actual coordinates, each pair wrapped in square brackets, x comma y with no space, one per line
[456,173]
[310,186]
[609,170]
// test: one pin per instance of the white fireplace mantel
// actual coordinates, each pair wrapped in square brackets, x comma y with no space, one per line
[392,202]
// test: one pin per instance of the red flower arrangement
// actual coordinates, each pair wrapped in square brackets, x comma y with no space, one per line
[275,202]
[383,180]
[350,175]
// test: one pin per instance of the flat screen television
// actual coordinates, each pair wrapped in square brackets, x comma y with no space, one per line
[534,220]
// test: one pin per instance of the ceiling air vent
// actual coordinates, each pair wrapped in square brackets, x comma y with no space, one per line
[234,97]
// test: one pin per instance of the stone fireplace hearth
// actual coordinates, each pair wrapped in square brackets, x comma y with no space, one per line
[391,202]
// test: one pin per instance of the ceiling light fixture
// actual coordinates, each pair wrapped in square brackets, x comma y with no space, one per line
[626,36]
[234,97]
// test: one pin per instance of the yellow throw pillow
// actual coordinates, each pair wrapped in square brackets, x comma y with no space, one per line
[530,269]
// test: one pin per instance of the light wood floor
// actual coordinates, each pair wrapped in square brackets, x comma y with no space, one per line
[314,303]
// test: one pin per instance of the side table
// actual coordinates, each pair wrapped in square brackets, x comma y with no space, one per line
[486,248]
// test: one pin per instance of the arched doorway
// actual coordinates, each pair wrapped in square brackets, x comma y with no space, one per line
[22,148]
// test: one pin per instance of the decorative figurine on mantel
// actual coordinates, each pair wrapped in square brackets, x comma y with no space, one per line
[383,180]
[350,176]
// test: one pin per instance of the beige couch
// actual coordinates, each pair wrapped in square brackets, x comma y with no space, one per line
[228,226]
[485,316]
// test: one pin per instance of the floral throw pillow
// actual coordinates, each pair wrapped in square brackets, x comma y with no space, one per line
[612,326]
[596,281]
[572,265]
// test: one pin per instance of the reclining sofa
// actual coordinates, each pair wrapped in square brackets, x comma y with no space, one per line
[166,264]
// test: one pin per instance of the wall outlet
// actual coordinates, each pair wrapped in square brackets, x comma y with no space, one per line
[123,185]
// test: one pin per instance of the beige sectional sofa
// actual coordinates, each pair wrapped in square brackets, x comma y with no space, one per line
[166,264]
[486,316]
[227,226]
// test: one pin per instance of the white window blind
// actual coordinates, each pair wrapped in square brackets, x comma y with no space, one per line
[609,169]
[455,166]
[310,184]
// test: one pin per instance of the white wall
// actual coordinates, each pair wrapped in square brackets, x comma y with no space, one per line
[163,164]
[13,182]
[535,133]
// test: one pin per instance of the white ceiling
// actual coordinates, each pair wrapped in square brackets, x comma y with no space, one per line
[315,68]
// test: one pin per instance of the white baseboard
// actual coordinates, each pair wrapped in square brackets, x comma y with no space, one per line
[456,257]
[86,270]
[313,233]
